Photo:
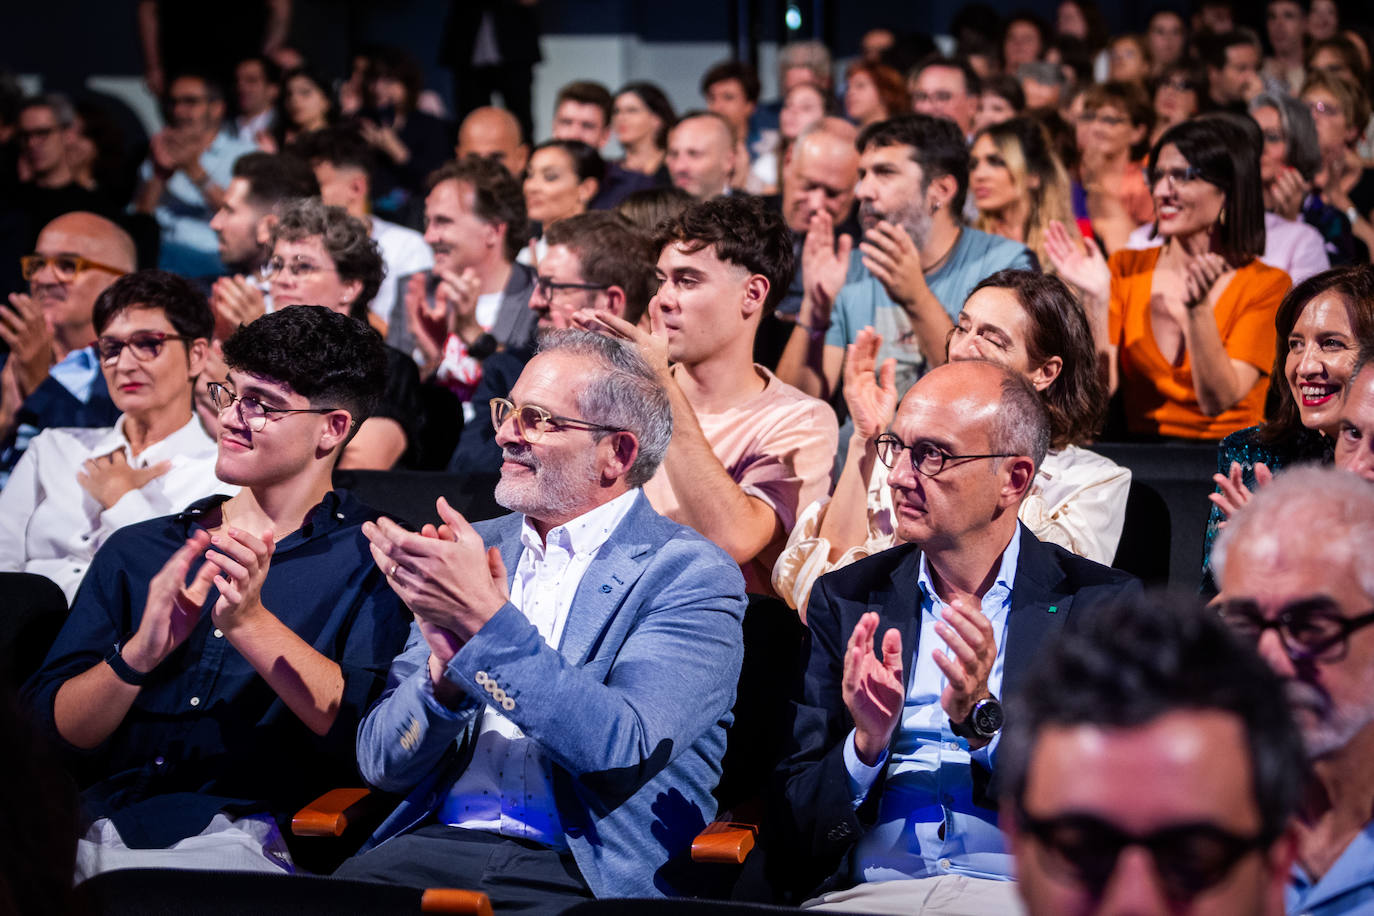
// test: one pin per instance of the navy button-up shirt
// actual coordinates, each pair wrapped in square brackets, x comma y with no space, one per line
[205,722]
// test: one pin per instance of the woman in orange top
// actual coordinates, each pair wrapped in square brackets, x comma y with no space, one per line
[1187,330]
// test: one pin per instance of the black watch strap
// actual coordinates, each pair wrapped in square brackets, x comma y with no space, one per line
[983,722]
[123,670]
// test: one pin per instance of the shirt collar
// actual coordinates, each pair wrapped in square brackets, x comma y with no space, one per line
[584,534]
[1006,570]
[188,440]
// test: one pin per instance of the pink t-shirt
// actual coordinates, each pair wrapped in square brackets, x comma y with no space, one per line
[778,446]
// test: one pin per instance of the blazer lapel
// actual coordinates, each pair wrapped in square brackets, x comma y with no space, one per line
[1038,609]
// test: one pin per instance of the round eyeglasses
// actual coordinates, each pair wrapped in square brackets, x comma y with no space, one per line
[253,412]
[927,458]
[533,421]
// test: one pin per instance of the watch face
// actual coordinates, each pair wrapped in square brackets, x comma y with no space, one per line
[987,718]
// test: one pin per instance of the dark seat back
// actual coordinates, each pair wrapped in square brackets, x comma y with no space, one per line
[410,495]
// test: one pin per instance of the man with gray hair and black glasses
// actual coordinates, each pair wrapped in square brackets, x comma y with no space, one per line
[1293,566]
[914,649]
[572,666]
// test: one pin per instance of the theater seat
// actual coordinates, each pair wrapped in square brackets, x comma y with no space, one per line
[34,610]
[172,892]
[409,495]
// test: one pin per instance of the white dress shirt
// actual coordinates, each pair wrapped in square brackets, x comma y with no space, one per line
[928,824]
[404,252]
[49,525]
[508,786]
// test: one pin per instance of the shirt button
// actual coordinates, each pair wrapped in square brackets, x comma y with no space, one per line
[944,864]
[219,634]
[498,695]
[195,701]
[158,761]
[507,704]
[481,678]
[338,515]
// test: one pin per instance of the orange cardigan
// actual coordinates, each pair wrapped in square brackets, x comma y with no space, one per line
[1158,396]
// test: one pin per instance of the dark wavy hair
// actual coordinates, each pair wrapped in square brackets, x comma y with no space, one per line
[938,147]
[656,101]
[184,305]
[1057,326]
[346,239]
[1353,283]
[743,231]
[889,83]
[1218,148]
[497,196]
[331,359]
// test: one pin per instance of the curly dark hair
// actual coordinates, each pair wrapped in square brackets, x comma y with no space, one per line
[333,360]
[743,231]
[183,304]
[497,196]
[736,70]
[1057,326]
[354,253]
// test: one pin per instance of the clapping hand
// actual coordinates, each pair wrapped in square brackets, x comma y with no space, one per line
[968,634]
[824,267]
[1203,272]
[869,392]
[241,561]
[173,607]
[1234,493]
[1079,263]
[873,688]
[892,257]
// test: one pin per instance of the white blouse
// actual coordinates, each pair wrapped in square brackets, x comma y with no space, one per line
[1077,500]
[49,525]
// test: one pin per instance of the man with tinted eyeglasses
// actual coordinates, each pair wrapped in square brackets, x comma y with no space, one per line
[896,734]
[1149,767]
[1293,566]
[75,487]
[51,376]
[215,664]
[558,716]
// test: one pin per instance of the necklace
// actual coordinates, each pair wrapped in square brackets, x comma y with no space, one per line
[940,261]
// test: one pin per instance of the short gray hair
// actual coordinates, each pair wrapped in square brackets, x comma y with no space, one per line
[60,106]
[1334,504]
[626,395]
[1021,425]
[1299,131]
[810,55]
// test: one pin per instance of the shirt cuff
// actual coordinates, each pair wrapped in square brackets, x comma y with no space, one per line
[861,775]
[986,755]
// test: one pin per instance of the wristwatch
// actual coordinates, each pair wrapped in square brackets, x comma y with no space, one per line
[984,721]
[123,670]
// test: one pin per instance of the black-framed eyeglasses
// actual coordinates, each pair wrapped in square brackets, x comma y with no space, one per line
[546,287]
[1176,177]
[533,421]
[253,412]
[65,266]
[1313,629]
[1189,858]
[927,458]
[145,345]
[298,268]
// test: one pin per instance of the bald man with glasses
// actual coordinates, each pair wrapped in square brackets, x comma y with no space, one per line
[51,375]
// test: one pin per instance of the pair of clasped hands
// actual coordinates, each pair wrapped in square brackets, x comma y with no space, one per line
[448,579]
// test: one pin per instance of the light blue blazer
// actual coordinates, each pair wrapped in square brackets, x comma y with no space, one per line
[631,709]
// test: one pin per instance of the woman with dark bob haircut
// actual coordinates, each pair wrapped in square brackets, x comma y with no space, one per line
[641,119]
[1032,324]
[1186,330]
[1322,325]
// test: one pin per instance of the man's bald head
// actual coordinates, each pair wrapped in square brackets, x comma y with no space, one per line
[67,304]
[493,133]
[821,172]
[701,154]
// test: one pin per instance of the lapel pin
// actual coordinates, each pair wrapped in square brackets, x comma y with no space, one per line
[1054,609]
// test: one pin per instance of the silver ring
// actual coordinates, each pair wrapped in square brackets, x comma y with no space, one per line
[394,567]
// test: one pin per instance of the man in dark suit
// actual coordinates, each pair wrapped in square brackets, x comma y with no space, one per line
[887,787]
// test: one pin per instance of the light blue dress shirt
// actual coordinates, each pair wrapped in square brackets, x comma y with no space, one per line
[928,824]
[189,246]
[1346,889]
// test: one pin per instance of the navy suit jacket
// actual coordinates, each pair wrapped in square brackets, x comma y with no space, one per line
[630,709]
[1052,588]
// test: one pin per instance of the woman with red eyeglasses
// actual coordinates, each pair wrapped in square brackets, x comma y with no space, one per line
[76,486]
